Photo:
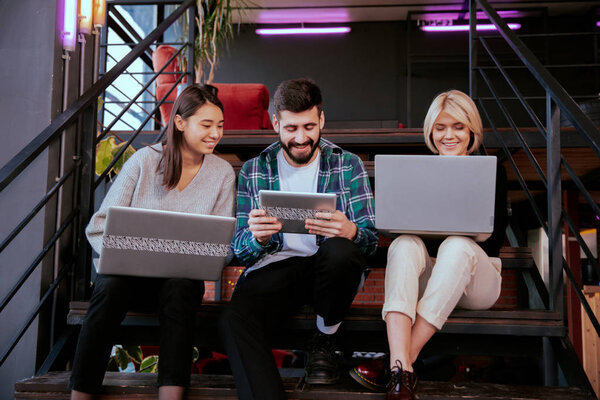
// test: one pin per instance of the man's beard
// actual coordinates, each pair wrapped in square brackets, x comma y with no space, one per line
[305,159]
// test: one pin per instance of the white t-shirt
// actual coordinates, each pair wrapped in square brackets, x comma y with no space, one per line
[294,179]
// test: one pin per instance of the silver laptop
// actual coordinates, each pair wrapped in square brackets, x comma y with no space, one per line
[293,208]
[435,196]
[165,244]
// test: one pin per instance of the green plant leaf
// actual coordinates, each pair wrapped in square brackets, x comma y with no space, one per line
[134,353]
[112,365]
[149,364]
[106,150]
[122,357]
[104,154]
[124,157]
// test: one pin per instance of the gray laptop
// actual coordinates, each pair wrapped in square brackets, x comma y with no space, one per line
[435,196]
[166,244]
[293,208]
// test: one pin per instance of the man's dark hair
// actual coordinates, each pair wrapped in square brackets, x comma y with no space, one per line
[297,95]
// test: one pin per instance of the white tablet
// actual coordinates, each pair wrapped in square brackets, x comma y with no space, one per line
[293,208]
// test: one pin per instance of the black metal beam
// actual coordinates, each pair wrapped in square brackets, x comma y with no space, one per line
[36,208]
[569,363]
[515,129]
[139,93]
[145,57]
[47,247]
[559,95]
[57,350]
[136,133]
[20,161]
[43,300]
[554,201]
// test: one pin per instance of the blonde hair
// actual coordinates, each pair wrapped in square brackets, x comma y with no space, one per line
[460,107]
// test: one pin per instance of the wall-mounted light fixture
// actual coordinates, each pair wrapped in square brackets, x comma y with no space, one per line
[455,15]
[85,16]
[98,19]
[304,31]
[462,28]
[99,12]
[69,28]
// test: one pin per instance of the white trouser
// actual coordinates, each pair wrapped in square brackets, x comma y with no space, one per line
[462,274]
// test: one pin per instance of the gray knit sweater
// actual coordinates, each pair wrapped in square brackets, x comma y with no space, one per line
[212,191]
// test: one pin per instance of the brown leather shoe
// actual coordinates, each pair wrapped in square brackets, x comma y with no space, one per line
[402,384]
[373,374]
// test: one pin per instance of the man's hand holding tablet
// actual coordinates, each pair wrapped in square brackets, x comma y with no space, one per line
[334,224]
[263,226]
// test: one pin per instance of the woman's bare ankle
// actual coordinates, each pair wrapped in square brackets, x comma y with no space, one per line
[401,363]
[76,395]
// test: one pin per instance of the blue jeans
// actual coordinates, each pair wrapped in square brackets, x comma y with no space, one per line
[176,301]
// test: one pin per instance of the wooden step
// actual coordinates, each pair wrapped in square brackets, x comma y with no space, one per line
[362,330]
[142,386]
[363,324]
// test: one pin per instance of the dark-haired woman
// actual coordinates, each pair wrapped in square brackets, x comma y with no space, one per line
[181,174]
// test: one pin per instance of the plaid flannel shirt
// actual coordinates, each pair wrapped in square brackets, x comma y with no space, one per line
[340,172]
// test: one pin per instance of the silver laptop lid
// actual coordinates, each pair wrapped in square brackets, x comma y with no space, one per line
[166,244]
[435,196]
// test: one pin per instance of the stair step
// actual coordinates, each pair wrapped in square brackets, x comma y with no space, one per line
[142,386]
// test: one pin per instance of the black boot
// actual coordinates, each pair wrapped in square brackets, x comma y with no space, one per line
[321,361]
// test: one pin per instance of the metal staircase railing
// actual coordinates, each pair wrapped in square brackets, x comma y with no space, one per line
[557,101]
[82,116]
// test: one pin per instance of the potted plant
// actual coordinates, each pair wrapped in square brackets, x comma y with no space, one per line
[106,150]
[215,29]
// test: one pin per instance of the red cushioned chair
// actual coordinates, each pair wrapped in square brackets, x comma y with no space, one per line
[246,104]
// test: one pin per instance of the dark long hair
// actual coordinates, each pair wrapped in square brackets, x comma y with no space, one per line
[187,103]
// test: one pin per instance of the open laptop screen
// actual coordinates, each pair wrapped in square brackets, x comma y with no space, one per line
[435,196]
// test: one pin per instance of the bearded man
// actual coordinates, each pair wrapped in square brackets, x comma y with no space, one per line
[283,271]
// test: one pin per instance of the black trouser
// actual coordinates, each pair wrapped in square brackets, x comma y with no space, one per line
[176,300]
[327,280]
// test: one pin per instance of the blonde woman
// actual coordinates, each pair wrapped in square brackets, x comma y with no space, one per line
[421,291]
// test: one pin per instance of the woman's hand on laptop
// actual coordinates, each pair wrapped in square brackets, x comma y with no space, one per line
[331,225]
[263,227]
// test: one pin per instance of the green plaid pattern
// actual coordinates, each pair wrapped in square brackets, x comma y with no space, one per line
[340,172]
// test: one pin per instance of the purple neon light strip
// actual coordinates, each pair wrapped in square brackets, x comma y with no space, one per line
[598,24]
[303,31]
[69,28]
[457,28]
[448,15]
